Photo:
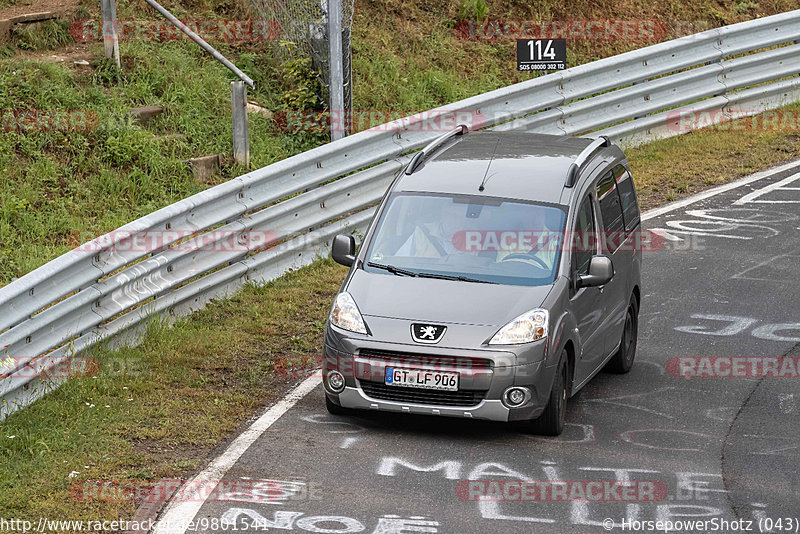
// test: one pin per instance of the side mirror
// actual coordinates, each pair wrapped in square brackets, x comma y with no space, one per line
[601,271]
[343,249]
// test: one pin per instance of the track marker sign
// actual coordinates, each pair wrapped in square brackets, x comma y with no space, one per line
[541,54]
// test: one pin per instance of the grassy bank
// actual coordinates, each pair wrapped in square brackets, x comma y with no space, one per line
[56,185]
[107,169]
[409,56]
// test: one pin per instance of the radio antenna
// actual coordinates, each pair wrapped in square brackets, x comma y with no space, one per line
[486,174]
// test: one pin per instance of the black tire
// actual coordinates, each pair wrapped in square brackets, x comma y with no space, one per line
[622,361]
[553,419]
[335,409]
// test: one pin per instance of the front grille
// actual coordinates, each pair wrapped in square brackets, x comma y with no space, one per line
[412,358]
[379,391]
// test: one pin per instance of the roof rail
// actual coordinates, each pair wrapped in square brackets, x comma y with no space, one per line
[583,157]
[420,156]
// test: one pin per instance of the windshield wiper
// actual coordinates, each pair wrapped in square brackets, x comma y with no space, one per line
[459,278]
[392,269]
[403,272]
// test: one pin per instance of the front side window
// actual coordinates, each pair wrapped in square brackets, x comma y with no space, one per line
[479,238]
[584,237]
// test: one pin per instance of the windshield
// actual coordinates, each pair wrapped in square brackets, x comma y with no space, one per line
[471,238]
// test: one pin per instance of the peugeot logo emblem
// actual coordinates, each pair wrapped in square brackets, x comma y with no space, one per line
[427,333]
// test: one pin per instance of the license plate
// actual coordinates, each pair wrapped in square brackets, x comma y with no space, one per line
[421,378]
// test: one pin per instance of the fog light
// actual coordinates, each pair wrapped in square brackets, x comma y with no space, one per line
[336,381]
[515,396]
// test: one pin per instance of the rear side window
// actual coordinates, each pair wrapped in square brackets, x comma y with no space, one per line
[630,207]
[610,207]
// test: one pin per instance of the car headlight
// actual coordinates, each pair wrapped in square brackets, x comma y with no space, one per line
[528,327]
[345,314]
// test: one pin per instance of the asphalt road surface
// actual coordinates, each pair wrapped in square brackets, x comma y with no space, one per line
[724,285]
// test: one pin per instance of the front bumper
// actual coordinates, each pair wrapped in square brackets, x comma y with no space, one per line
[487,380]
[354,397]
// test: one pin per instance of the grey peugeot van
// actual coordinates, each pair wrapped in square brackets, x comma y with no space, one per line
[500,273]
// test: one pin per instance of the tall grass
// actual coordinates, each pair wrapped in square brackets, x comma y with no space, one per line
[59,185]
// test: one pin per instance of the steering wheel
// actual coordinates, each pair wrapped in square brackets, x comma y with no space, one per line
[524,256]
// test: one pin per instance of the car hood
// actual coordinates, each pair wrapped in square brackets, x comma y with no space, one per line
[442,301]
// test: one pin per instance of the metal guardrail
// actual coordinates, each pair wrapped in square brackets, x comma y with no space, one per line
[83,298]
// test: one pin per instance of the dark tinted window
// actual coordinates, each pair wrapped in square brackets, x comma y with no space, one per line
[630,208]
[610,208]
[584,242]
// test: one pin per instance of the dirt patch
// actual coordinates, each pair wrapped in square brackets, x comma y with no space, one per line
[160,452]
[65,54]
[59,7]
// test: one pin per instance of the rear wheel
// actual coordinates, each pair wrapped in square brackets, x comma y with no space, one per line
[553,419]
[335,409]
[622,361]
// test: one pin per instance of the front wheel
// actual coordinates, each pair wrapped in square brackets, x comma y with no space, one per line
[335,409]
[553,419]
[622,361]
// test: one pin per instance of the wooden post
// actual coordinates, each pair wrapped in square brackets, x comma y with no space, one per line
[241,135]
[110,35]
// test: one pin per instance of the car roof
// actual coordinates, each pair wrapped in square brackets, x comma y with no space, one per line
[518,165]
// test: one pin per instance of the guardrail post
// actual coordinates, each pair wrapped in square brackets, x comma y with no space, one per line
[796,42]
[110,35]
[632,84]
[241,135]
[336,78]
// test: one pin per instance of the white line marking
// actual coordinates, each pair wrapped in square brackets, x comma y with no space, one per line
[178,514]
[775,201]
[751,197]
[786,402]
[741,275]
[346,442]
[672,206]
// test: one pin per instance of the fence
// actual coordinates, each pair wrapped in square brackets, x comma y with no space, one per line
[83,298]
[241,139]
